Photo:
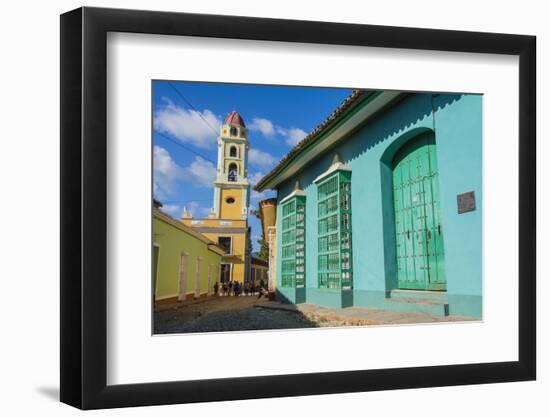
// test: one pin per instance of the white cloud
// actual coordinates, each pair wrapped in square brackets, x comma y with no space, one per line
[177,211]
[261,159]
[172,209]
[196,210]
[201,173]
[255,195]
[254,178]
[267,128]
[189,126]
[264,126]
[167,173]
[294,135]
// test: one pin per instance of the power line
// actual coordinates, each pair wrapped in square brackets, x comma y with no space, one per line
[184,147]
[193,107]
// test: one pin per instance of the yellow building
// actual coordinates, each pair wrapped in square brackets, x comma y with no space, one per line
[268,216]
[227,223]
[185,263]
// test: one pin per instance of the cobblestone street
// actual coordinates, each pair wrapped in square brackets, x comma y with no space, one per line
[221,314]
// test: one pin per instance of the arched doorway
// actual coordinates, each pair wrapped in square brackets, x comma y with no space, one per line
[420,251]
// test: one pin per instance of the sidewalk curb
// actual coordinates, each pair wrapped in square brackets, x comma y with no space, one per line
[279,308]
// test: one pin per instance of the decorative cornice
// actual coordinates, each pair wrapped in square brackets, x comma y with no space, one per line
[228,230]
[229,184]
[186,229]
[298,192]
[230,139]
[337,165]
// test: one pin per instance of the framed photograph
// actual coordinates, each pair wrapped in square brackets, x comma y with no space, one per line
[260,208]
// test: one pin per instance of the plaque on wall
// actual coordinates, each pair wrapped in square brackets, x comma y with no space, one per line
[466,202]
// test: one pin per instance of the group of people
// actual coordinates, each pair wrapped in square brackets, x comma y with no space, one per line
[235,288]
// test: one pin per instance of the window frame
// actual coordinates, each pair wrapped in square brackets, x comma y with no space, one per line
[330,222]
[290,224]
[230,244]
[229,169]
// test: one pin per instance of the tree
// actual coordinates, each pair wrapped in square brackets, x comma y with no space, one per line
[264,248]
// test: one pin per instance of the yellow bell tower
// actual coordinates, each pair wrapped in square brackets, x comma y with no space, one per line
[231,188]
[227,223]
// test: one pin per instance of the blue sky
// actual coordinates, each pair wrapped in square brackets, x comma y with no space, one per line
[186,121]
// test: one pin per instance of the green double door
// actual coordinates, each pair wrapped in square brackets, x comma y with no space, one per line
[418,228]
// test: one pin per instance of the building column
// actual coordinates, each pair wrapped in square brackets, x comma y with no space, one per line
[245,198]
[217,200]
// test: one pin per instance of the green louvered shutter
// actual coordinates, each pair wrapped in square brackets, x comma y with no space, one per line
[334,266]
[293,243]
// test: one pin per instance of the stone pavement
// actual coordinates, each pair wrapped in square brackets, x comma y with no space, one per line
[221,314]
[358,316]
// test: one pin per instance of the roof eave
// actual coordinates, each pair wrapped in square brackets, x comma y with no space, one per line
[336,130]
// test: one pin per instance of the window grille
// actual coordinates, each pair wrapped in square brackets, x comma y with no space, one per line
[293,243]
[335,266]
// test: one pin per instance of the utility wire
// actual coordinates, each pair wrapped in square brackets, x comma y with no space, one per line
[183,146]
[193,107]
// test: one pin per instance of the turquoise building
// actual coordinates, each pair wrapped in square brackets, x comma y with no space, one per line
[381,206]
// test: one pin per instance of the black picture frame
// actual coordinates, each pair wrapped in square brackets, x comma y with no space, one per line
[84,207]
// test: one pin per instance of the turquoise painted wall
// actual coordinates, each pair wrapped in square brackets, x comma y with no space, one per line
[457,122]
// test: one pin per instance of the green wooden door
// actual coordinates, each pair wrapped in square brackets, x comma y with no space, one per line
[418,229]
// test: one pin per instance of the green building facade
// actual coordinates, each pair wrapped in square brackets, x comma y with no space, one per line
[391,190]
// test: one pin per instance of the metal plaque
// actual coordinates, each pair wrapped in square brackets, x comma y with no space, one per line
[466,202]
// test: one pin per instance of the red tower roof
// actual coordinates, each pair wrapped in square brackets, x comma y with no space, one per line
[234,119]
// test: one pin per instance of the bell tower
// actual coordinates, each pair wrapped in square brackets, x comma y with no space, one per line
[227,223]
[231,187]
